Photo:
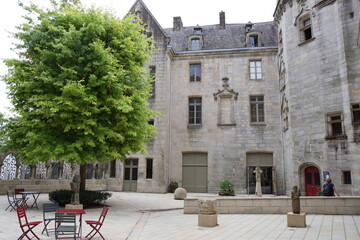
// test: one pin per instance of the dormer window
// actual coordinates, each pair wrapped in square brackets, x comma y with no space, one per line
[253,41]
[253,38]
[195,44]
[196,39]
[197,30]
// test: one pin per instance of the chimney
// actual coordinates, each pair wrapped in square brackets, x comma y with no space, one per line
[177,24]
[222,20]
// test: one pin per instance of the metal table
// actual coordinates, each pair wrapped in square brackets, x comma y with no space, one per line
[35,196]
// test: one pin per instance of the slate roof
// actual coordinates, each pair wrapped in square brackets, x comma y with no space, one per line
[233,36]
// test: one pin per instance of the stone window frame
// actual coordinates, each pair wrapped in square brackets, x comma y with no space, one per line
[257,103]
[192,123]
[355,113]
[256,73]
[152,74]
[149,168]
[190,76]
[112,168]
[346,177]
[332,122]
[254,33]
[304,21]
[195,37]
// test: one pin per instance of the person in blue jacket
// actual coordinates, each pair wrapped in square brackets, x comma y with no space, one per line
[329,188]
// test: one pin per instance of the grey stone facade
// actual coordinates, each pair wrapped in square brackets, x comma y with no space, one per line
[320,78]
[306,78]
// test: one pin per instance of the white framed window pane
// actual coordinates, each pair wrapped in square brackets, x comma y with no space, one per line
[259,75]
[252,76]
[252,64]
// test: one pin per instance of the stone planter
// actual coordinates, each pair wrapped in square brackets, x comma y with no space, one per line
[226,193]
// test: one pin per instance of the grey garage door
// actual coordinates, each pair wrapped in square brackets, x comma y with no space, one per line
[194,172]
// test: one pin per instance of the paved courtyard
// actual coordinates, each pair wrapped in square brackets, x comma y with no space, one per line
[158,216]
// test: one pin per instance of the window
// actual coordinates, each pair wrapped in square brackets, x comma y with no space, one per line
[346,177]
[195,72]
[355,108]
[149,168]
[152,76]
[253,41]
[257,109]
[195,44]
[305,28]
[195,110]
[112,168]
[255,70]
[335,127]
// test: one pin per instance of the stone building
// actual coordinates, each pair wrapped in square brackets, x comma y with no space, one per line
[284,95]
[217,89]
[319,73]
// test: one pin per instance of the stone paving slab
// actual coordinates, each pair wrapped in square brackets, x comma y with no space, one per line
[145,216]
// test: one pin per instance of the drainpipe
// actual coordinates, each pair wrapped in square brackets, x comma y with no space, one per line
[170,119]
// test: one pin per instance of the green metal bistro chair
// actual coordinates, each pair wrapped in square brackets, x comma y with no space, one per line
[13,202]
[49,210]
[65,225]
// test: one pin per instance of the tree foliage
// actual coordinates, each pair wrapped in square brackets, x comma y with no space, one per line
[79,88]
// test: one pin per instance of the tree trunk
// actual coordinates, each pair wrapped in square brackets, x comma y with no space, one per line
[83,169]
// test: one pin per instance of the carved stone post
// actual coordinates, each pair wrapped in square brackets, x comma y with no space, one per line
[207,213]
[296,218]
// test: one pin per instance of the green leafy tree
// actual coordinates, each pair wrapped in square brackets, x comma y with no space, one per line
[79,88]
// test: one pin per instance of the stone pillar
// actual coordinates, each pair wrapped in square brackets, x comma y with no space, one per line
[47,174]
[33,171]
[61,170]
[94,171]
[17,169]
[207,213]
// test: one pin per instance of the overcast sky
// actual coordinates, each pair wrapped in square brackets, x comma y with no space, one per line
[192,12]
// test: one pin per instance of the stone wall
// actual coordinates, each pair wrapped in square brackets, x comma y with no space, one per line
[46,186]
[280,205]
[226,145]
[320,77]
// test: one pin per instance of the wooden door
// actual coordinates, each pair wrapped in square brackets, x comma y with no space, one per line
[312,181]
[131,175]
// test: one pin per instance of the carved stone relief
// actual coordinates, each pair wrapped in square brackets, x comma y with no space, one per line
[226,98]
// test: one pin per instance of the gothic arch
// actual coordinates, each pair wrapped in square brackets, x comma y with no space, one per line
[301,171]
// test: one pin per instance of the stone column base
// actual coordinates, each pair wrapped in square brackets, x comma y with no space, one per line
[296,220]
[207,220]
[74,206]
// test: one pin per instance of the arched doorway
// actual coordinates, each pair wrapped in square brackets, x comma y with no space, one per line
[312,181]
